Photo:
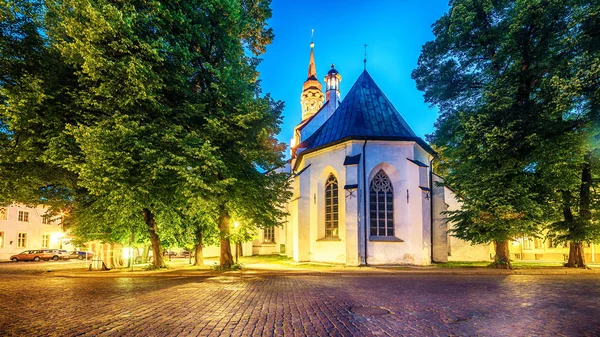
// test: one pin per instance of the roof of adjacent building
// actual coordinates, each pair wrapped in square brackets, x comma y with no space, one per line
[365,113]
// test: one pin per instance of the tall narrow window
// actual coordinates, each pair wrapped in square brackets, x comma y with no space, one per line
[381,205]
[45,240]
[24,216]
[3,213]
[1,239]
[22,241]
[45,220]
[331,207]
[269,235]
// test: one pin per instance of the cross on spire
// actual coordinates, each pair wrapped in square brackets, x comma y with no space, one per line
[365,60]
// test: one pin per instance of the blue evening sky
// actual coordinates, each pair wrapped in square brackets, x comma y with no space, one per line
[394,31]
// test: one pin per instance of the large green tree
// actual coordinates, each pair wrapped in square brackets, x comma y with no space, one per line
[577,90]
[489,71]
[133,108]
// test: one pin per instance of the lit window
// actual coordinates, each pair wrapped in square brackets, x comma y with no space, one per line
[22,242]
[24,216]
[381,205]
[331,207]
[45,240]
[269,235]
[3,213]
[1,239]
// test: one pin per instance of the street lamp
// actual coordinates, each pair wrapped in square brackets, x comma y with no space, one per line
[236,225]
[62,228]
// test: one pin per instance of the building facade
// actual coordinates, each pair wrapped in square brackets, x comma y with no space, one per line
[23,228]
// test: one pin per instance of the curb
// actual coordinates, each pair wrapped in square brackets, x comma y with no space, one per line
[262,272]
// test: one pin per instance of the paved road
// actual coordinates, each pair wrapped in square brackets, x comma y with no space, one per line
[37,304]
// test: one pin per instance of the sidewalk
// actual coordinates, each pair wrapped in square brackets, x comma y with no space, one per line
[181,268]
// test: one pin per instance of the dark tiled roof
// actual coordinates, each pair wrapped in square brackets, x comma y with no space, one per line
[365,113]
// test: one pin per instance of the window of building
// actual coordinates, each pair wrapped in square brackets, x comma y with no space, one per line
[527,243]
[381,205]
[45,220]
[331,207]
[269,235]
[3,213]
[538,243]
[1,239]
[45,240]
[22,241]
[24,216]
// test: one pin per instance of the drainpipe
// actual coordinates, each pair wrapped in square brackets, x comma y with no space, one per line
[364,159]
[431,203]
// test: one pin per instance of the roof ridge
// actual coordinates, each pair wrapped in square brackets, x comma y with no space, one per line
[366,112]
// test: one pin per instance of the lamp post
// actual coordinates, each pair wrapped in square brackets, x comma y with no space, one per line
[62,228]
[236,225]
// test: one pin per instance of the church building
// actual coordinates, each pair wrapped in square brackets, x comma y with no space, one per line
[363,190]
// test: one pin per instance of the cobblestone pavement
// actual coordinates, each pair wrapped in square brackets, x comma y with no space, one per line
[32,268]
[340,305]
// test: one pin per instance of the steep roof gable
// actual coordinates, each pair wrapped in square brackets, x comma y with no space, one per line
[365,113]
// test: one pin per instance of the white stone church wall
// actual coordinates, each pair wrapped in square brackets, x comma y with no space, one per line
[409,210]
[322,165]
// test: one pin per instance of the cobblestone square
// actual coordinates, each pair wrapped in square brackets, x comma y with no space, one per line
[37,304]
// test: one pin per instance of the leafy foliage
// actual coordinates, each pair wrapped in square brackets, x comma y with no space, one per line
[140,107]
[505,76]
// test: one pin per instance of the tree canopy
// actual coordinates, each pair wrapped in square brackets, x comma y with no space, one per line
[137,110]
[497,72]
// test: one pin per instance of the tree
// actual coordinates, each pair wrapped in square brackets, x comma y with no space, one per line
[489,72]
[159,105]
[33,108]
[577,88]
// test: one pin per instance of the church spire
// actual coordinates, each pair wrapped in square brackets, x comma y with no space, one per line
[312,91]
[312,68]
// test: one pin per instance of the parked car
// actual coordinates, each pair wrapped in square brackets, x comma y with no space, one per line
[57,254]
[31,255]
[169,253]
[80,255]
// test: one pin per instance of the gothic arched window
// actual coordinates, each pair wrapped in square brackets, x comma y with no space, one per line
[331,206]
[381,205]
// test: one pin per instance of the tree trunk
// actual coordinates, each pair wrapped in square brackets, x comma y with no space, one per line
[502,260]
[576,256]
[157,254]
[586,183]
[226,259]
[198,257]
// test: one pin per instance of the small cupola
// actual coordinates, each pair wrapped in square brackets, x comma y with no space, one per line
[333,79]
[332,83]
